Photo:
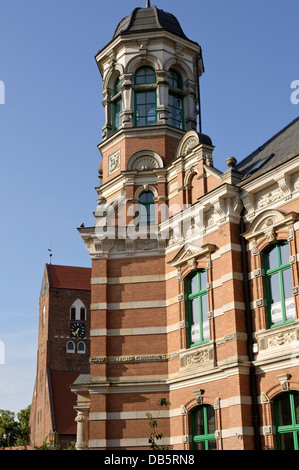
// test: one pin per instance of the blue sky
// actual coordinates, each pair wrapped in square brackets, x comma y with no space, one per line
[51,123]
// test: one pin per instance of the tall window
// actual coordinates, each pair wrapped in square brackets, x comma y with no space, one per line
[286,409]
[199,331]
[176,99]
[278,275]
[145,97]
[146,208]
[117,106]
[203,428]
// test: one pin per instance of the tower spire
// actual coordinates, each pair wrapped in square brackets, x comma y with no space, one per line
[148,3]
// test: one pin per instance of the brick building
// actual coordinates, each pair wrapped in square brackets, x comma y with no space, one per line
[63,352]
[194,280]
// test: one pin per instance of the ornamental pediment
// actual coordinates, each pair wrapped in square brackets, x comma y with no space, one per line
[190,253]
[270,220]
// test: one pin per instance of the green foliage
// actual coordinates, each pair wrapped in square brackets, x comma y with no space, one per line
[52,443]
[153,423]
[13,432]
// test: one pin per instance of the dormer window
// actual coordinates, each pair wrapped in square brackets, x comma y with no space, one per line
[176,99]
[145,97]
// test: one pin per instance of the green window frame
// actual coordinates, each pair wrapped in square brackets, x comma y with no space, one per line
[145,97]
[278,280]
[147,214]
[197,298]
[117,106]
[176,99]
[286,413]
[203,428]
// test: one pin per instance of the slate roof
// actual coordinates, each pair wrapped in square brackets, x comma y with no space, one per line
[69,277]
[149,19]
[280,147]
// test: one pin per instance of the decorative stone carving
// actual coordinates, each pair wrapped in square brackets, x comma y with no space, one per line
[145,160]
[190,143]
[268,198]
[267,430]
[199,396]
[284,381]
[114,162]
[198,357]
[296,183]
[284,336]
[145,163]
[264,398]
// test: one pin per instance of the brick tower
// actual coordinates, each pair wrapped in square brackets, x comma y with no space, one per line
[63,352]
[174,312]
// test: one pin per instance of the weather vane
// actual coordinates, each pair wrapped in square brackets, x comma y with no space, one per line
[50,254]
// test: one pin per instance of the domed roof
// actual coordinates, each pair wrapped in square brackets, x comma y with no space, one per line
[149,19]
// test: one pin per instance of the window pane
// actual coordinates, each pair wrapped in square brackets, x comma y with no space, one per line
[199,429]
[142,215]
[289,299]
[146,197]
[150,97]
[212,445]
[194,284]
[284,411]
[285,254]
[140,98]
[141,110]
[141,121]
[203,280]
[296,405]
[205,320]
[200,446]
[275,300]
[272,259]
[195,330]
[287,441]
[211,420]
[73,313]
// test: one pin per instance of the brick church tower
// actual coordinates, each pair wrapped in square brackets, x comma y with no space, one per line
[180,306]
[63,352]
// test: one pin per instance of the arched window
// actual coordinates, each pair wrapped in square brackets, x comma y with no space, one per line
[286,410]
[176,99]
[117,106]
[198,321]
[70,347]
[278,278]
[203,428]
[78,310]
[145,97]
[81,348]
[146,208]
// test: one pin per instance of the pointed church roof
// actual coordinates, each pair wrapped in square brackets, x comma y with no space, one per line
[69,277]
[150,18]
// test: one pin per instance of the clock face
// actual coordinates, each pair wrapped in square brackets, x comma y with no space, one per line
[77,330]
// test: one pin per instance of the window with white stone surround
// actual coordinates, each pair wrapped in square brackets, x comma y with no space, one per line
[278,282]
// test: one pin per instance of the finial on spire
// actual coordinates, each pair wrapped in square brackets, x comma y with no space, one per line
[148,3]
